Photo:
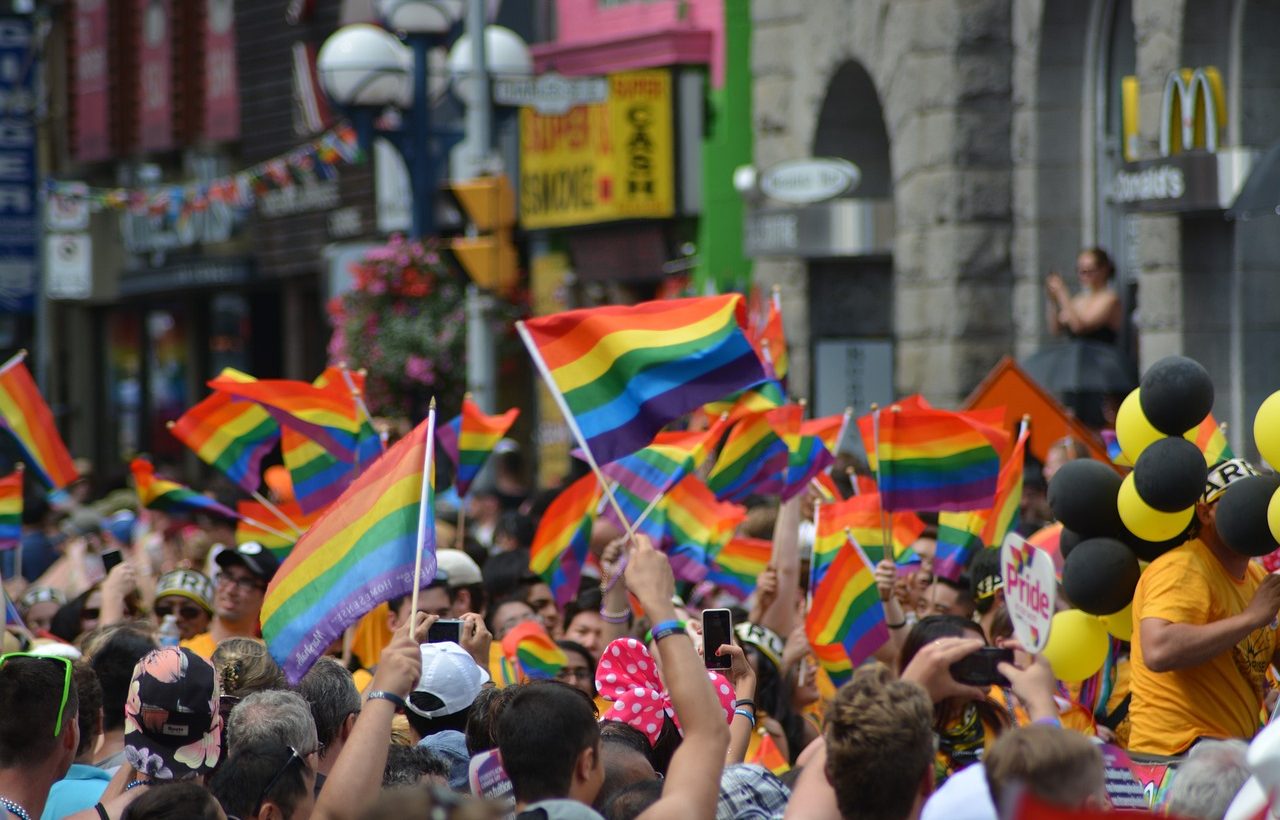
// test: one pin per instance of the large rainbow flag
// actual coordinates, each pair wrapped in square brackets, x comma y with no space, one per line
[564,534]
[739,563]
[11,510]
[937,460]
[161,494]
[360,553]
[624,372]
[469,438]
[230,435]
[24,414]
[755,456]
[327,414]
[845,609]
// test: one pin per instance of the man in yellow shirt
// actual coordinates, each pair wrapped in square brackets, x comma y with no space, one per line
[237,598]
[1204,634]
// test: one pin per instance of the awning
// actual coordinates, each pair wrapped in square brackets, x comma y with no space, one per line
[1260,195]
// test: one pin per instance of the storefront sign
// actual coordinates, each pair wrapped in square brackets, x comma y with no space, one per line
[199,273]
[19,227]
[221,86]
[1192,111]
[91,136]
[67,208]
[550,94]
[838,228]
[805,181]
[1182,182]
[155,78]
[322,195]
[603,161]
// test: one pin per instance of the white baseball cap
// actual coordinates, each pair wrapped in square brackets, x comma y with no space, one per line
[450,675]
[460,570]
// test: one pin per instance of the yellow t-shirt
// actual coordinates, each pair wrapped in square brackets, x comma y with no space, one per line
[202,644]
[1219,698]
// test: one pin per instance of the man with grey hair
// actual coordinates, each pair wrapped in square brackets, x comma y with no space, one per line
[273,716]
[335,705]
[1207,781]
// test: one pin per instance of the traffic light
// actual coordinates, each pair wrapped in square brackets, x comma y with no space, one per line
[487,253]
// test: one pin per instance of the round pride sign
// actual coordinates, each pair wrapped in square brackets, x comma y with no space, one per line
[1030,590]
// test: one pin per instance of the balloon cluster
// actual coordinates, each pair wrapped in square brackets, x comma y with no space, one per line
[1110,523]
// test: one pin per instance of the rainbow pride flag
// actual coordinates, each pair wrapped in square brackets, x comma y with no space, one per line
[1212,441]
[739,563]
[470,437]
[259,523]
[369,444]
[25,415]
[326,414]
[861,517]
[809,460]
[11,510]
[774,340]
[560,545]
[959,537]
[161,494]
[624,372]
[835,662]
[1005,512]
[937,460]
[845,608]
[533,652]
[359,553]
[755,456]
[768,755]
[230,435]
[762,397]
[692,515]
[318,478]
[829,429]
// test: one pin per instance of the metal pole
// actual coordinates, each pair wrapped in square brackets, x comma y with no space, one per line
[481,365]
[417,143]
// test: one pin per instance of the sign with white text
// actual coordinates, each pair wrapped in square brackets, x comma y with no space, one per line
[1030,591]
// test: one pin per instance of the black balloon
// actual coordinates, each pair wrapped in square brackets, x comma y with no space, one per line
[1151,550]
[1067,541]
[1242,515]
[1082,496]
[1100,575]
[1169,475]
[1176,394]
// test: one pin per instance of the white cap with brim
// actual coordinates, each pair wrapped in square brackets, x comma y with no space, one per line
[450,675]
[458,568]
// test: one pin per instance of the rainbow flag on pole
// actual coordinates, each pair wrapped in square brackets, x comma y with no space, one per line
[959,537]
[360,553]
[230,435]
[326,414]
[23,413]
[11,510]
[318,478]
[470,437]
[845,609]
[755,457]
[1005,512]
[937,460]
[260,523]
[692,515]
[621,373]
[758,399]
[560,545]
[809,460]
[861,516]
[1212,441]
[739,563]
[161,494]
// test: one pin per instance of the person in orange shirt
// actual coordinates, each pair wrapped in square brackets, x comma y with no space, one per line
[1204,634]
[237,597]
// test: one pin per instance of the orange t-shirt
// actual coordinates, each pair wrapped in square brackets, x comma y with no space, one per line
[1219,698]
[202,644]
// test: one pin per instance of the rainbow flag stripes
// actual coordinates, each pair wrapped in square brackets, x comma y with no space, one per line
[229,435]
[169,496]
[560,545]
[260,523]
[11,510]
[764,396]
[959,537]
[861,517]
[1005,514]
[738,565]
[755,456]
[318,478]
[937,460]
[1212,441]
[325,414]
[845,609]
[360,553]
[536,656]
[835,662]
[23,413]
[809,460]
[469,439]
[624,372]
[692,515]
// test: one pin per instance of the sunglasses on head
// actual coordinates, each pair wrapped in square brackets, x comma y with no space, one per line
[187,611]
[271,784]
[66,681]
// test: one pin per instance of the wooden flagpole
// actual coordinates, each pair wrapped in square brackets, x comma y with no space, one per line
[423,511]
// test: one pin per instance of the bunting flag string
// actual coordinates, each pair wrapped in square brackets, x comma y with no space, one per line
[307,164]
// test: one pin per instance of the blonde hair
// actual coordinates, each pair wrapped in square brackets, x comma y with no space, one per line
[1057,766]
[245,667]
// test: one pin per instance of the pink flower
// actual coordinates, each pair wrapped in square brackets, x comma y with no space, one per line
[421,369]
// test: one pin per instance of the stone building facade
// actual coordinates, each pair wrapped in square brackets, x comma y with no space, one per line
[995,131]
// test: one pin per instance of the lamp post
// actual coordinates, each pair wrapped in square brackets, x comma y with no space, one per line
[366,70]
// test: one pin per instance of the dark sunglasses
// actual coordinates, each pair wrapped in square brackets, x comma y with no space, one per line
[271,784]
[189,612]
[66,681]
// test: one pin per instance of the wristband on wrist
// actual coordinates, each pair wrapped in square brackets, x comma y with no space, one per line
[744,702]
[898,625]
[1049,721]
[748,715]
[615,617]
[390,697]
[663,629]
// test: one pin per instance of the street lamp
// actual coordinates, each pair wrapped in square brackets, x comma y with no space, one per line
[365,69]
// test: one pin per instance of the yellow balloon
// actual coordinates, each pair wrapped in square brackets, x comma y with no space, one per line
[1120,623]
[1145,522]
[1077,645]
[1266,429]
[1273,515]
[1132,428]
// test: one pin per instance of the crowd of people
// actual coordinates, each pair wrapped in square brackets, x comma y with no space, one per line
[145,691]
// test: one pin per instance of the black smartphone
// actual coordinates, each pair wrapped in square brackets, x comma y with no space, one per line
[717,630]
[111,558]
[979,669]
[445,629]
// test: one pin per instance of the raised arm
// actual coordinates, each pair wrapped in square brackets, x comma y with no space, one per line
[781,614]
[692,786]
[1168,645]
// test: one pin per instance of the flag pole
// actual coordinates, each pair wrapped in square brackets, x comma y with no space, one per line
[279,513]
[885,533]
[536,355]
[424,502]
[267,528]
[460,538]
[13,360]
[363,408]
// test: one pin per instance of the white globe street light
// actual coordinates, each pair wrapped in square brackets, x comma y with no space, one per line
[420,16]
[506,56]
[365,65]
